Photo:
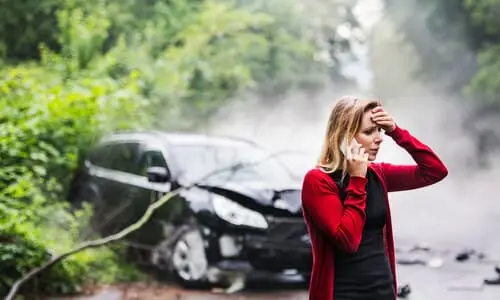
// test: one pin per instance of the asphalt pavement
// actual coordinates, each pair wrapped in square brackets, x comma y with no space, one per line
[432,275]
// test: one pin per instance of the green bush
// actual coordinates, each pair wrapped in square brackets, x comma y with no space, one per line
[27,245]
[45,122]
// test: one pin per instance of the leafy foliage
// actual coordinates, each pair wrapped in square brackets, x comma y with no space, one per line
[46,122]
[458,44]
[485,85]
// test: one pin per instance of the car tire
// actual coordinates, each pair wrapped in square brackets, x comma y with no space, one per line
[184,256]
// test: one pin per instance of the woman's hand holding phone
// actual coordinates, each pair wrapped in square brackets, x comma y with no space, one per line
[357,160]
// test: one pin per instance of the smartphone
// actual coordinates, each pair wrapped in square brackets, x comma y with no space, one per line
[343,146]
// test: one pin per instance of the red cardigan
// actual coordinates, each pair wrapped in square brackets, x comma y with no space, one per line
[329,222]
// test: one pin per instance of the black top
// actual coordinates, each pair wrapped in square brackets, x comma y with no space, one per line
[366,274]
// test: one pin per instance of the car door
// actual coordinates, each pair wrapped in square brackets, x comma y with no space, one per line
[117,182]
[150,155]
[105,186]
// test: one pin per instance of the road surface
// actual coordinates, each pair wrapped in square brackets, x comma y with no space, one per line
[449,280]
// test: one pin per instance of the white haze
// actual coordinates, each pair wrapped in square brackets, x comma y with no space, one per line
[463,210]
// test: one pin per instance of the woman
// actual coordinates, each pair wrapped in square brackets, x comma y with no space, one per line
[345,203]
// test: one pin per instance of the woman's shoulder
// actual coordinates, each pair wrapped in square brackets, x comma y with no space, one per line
[317,181]
[319,175]
[316,172]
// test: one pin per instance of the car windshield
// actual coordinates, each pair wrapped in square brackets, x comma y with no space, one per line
[250,163]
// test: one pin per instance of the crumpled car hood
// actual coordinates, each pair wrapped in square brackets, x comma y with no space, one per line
[266,194]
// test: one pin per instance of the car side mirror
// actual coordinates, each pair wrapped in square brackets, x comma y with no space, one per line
[157,174]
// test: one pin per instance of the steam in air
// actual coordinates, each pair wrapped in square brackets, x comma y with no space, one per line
[459,211]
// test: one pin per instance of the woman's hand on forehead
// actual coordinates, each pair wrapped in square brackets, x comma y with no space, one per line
[383,119]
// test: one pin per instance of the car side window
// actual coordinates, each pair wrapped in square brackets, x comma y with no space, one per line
[151,158]
[118,156]
[100,154]
[123,157]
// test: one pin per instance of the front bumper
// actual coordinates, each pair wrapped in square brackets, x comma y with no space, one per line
[269,255]
[283,247]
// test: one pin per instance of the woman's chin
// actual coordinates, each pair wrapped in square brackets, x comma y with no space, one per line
[372,157]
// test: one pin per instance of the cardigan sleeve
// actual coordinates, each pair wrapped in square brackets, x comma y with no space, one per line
[343,223]
[429,168]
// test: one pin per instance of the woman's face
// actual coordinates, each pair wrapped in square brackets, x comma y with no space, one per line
[369,136]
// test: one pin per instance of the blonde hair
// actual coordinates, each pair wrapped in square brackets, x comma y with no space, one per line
[344,123]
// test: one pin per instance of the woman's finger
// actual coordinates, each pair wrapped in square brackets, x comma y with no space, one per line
[385,125]
[378,115]
[382,119]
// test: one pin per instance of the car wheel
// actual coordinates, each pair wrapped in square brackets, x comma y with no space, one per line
[188,261]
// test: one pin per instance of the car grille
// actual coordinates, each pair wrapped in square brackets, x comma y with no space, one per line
[287,230]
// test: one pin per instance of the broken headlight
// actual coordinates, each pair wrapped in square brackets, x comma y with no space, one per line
[236,214]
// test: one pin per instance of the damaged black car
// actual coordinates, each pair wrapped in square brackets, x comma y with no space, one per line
[238,212]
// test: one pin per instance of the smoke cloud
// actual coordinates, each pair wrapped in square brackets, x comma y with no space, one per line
[461,211]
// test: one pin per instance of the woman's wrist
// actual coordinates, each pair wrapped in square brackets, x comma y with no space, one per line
[395,133]
[391,129]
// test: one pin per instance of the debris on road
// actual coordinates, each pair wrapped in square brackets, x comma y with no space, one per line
[468,254]
[404,291]
[410,261]
[435,262]
[237,284]
[421,247]
[494,281]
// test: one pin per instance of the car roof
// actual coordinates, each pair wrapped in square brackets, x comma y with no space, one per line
[179,138]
